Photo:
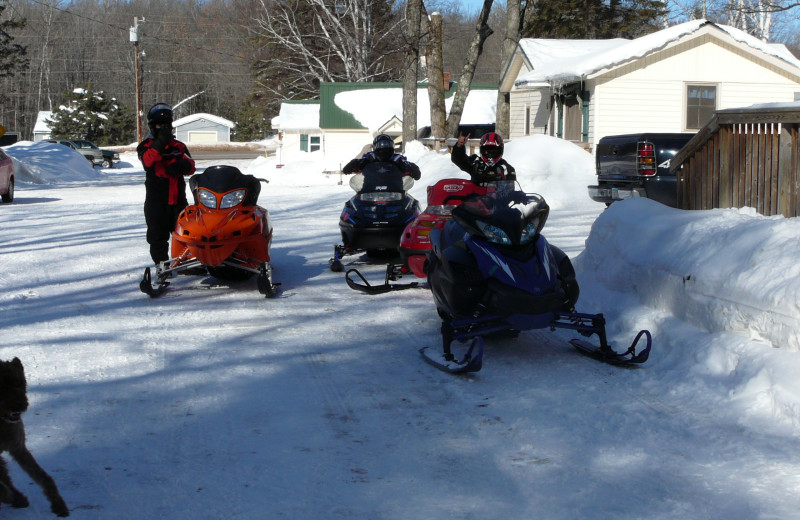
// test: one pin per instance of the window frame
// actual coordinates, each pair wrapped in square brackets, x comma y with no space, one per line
[698,107]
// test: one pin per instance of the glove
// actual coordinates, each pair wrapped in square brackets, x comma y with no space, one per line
[481,168]
[183,166]
[519,197]
[415,175]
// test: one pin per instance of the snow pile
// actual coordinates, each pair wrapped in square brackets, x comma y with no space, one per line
[721,270]
[48,163]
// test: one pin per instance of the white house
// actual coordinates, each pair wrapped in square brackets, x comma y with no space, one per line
[348,116]
[298,128]
[668,81]
[203,128]
[41,130]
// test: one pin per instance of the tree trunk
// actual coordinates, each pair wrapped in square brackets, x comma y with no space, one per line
[515,18]
[482,31]
[413,15]
[436,85]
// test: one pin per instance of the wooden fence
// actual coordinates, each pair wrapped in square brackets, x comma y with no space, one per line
[743,157]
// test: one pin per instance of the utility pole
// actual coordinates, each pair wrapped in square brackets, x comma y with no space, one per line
[134,31]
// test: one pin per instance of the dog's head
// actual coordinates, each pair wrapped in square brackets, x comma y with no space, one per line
[13,391]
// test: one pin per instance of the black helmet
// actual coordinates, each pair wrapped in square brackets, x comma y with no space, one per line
[383,147]
[160,114]
[491,148]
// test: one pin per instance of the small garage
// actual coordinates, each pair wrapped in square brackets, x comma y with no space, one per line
[203,128]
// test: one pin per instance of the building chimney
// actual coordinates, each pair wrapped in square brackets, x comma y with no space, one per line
[446,81]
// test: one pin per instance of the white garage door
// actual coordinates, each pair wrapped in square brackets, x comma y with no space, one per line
[202,137]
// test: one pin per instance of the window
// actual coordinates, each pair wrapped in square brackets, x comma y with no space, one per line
[701,102]
[527,120]
[310,143]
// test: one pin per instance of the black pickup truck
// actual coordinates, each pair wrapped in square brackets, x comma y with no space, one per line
[637,165]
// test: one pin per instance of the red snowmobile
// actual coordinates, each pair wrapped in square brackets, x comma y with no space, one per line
[415,242]
[224,233]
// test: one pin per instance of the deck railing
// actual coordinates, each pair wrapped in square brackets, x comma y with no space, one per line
[744,157]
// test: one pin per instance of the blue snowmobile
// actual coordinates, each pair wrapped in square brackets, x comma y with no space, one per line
[374,218]
[491,271]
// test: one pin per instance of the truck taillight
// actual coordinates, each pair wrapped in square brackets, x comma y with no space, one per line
[646,158]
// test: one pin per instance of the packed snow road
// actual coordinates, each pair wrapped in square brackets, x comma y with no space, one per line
[213,402]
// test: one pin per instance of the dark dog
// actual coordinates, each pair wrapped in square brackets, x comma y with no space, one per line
[13,403]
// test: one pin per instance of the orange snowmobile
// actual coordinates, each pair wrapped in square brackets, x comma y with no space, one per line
[224,233]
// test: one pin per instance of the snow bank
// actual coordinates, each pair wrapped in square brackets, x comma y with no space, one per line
[720,270]
[48,163]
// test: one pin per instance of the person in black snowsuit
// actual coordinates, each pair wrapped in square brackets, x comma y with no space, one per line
[383,151]
[166,161]
[487,167]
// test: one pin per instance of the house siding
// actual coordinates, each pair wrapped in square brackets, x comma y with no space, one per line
[623,95]
[539,102]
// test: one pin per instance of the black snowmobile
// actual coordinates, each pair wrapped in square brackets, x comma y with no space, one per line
[492,271]
[374,218]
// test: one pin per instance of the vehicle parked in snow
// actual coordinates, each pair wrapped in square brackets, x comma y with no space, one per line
[95,155]
[637,165]
[6,177]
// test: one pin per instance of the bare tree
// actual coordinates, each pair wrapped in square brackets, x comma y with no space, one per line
[313,41]
[412,40]
[436,85]
[515,19]
[482,31]
[756,17]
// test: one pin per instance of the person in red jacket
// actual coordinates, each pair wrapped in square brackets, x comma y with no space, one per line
[166,161]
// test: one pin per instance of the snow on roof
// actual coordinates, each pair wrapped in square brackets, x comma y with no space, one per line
[538,52]
[373,108]
[562,69]
[298,116]
[202,115]
[41,121]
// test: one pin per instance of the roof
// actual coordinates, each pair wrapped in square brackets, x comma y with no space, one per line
[298,115]
[377,106]
[557,67]
[41,121]
[359,106]
[201,115]
[538,52]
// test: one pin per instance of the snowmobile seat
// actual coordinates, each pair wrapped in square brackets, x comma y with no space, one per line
[223,178]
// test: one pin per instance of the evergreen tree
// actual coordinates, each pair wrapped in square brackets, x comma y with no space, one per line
[251,123]
[594,19]
[12,55]
[89,115]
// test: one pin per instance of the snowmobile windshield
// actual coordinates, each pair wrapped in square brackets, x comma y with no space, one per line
[514,218]
[381,177]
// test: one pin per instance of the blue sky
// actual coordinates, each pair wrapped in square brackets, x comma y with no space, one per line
[473,6]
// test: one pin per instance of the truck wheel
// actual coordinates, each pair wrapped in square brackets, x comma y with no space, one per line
[107,162]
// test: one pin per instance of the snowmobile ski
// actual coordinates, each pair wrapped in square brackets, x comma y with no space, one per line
[366,287]
[606,354]
[151,289]
[265,284]
[471,361]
